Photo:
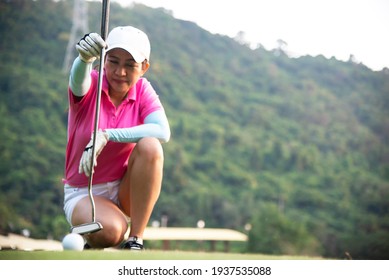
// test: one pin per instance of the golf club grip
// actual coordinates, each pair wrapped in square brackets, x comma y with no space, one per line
[105,19]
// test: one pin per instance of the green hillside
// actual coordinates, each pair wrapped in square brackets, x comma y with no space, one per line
[296,147]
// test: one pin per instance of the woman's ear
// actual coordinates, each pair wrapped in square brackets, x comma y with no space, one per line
[145,66]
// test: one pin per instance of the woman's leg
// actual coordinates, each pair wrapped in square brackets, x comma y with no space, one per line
[141,185]
[108,214]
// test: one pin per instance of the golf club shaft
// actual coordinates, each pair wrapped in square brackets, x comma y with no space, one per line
[104,33]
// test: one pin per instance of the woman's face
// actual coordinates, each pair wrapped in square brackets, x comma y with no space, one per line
[122,71]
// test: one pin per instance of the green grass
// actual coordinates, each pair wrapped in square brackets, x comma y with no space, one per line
[145,255]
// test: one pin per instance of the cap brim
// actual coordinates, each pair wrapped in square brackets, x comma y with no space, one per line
[138,57]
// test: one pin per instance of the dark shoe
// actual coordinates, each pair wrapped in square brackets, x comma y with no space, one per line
[133,244]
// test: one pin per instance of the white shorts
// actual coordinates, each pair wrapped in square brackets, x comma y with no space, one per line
[72,195]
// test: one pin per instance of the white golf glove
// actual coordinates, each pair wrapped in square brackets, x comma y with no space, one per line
[85,162]
[89,47]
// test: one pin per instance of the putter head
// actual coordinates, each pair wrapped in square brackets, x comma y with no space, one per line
[86,228]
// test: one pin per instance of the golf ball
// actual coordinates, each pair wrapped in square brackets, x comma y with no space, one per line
[73,241]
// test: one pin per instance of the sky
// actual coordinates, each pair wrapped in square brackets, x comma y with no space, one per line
[333,28]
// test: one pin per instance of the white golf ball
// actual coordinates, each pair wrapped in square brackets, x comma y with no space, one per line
[73,241]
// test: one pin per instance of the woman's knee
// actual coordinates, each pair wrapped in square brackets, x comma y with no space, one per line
[149,148]
[112,234]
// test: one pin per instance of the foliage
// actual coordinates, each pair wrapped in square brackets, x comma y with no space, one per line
[296,147]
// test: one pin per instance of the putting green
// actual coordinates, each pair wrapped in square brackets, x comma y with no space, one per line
[145,255]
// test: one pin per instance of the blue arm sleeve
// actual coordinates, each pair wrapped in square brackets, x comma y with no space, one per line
[80,79]
[155,125]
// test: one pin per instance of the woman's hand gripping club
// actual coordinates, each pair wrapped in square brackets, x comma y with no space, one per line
[85,162]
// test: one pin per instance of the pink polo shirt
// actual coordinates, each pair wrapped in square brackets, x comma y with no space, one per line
[112,162]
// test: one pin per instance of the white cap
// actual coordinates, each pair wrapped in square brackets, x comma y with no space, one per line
[130,39]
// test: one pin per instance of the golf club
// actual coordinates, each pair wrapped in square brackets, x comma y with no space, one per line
[94,226]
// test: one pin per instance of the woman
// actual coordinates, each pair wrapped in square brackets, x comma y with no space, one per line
[128,169]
